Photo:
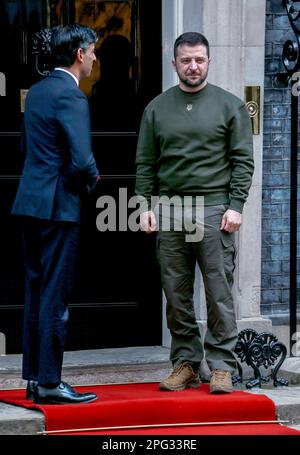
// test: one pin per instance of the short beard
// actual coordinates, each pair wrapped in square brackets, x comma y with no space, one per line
[193,84]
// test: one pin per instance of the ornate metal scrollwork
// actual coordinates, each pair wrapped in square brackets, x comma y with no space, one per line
[291,48]
[258,350]
[41,48]
[245,338]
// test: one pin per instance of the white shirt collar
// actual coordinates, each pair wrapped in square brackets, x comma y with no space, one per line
[68,72]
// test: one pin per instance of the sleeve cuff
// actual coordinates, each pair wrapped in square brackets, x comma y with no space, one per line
[237,205]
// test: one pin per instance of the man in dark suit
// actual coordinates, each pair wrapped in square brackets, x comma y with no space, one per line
[59,168]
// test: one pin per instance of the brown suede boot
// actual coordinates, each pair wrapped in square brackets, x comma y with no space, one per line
[182,377]
[221,382]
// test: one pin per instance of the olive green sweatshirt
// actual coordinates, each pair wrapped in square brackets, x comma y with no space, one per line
[196,144]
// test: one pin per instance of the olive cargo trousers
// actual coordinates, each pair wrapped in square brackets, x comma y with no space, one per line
[215,254]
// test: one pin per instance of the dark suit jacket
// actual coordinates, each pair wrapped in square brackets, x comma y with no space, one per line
[59,164]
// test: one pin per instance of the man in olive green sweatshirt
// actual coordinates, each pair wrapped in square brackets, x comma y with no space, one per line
[195,141]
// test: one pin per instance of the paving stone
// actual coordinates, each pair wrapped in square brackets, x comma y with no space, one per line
[15,420]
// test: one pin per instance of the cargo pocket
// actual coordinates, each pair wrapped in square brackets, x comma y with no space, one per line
[229,255]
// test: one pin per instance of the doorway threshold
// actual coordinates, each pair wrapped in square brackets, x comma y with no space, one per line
[98,366]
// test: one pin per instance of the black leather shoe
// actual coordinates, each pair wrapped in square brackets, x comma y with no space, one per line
[30,389]
[62,394]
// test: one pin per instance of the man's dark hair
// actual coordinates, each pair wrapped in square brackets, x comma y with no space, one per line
[66,40]
[192,39]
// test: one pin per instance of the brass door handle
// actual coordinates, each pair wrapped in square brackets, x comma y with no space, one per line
[252,99]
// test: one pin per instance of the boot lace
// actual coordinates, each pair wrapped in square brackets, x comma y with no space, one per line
[178,369]
[220,375]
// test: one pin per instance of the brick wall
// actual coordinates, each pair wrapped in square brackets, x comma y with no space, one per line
[276,170]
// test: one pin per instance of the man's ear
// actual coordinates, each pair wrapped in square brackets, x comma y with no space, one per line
[174,64]
[79,55]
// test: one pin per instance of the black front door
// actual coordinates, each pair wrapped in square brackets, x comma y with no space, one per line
[117,299]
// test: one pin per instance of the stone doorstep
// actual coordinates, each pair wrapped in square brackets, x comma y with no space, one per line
[15,420]
[97,357]
[118,366]
[290,370]
[81,368]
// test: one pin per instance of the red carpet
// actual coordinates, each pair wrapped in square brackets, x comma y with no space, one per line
[143,404]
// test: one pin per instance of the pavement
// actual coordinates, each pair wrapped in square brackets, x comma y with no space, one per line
[126,365]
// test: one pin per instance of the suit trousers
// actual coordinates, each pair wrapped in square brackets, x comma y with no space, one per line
[50,251]
[215,255]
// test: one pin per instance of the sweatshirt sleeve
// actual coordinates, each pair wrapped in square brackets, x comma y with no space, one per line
[146,161]
[240,150]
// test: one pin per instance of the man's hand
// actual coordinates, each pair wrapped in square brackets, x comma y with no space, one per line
[231,221]
[148,222]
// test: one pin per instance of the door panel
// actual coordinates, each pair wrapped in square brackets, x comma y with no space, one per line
[115,155]
[117,298]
